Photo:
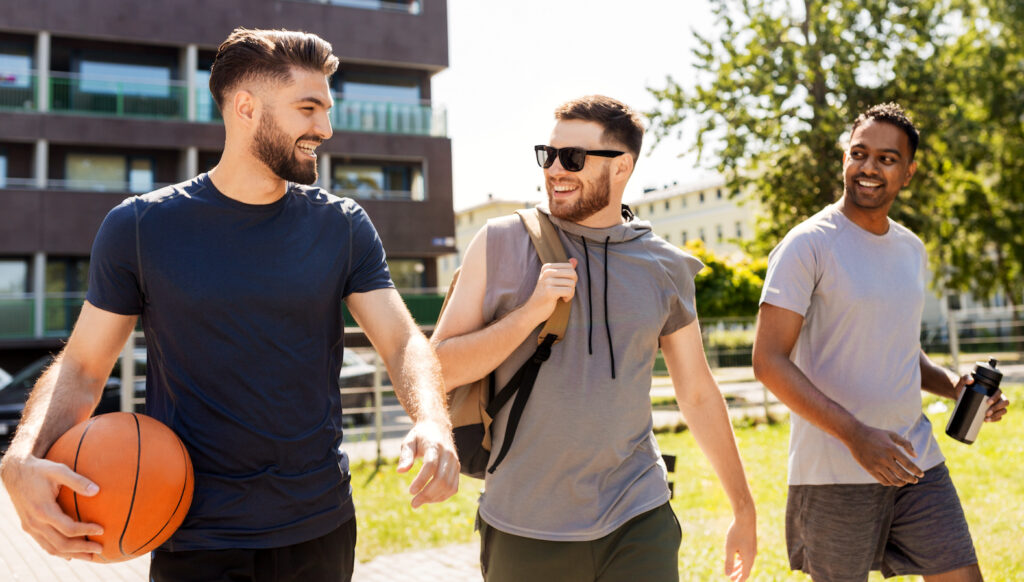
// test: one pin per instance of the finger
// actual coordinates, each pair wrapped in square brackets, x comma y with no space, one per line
[905,470]
[573,262]
[427,471]
[730,565]
[903,443]
[444,484]
[63,475]
[407,454]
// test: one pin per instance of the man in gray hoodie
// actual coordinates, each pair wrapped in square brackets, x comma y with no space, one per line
[582,494]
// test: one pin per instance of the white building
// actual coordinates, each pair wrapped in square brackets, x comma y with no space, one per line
[467,223]
[704,210]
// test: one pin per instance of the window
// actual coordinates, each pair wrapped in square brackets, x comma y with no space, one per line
[115,78]
[407,273]
[14,276]
[650,209]
[396,181]
[108,172]
[380,87]
[67,274]
[206,109]
[119,78]
[668,237]
[684,201]
[686,237]
[702,198]
[668,205]
[719,233]
[15,70]
[703,238]
[739,229]
[3,170]
[718,194]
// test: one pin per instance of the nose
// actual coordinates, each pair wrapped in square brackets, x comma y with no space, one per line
[323,126]
[869,165]
[556,169]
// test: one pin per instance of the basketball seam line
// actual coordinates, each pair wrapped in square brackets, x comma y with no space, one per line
[78,450]
[138,463]
[184,487]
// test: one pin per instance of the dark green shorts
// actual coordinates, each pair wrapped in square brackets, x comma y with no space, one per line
[644,548]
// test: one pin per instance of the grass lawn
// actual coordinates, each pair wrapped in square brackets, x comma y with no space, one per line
[988,476]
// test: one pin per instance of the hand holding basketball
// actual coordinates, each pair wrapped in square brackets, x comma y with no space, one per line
[144,476]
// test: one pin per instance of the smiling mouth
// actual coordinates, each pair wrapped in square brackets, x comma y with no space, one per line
[307,148]
[866,183]
[562,189]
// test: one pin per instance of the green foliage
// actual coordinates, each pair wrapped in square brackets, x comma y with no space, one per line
[779,82]
[726,287]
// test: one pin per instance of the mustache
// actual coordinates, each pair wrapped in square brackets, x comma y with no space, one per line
[313,138]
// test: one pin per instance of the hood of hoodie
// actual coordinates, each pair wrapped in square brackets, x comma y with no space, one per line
[619,233]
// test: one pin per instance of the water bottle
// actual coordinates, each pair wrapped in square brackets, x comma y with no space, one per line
[972,404]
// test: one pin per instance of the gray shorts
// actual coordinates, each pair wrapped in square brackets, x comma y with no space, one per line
[841,532]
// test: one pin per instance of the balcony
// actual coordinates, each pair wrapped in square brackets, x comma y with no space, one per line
[406,6]
[18,315]
[60,311]
[168,100]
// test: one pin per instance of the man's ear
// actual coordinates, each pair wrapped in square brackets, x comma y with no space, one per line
[623,167]
[910,173]
[244,106]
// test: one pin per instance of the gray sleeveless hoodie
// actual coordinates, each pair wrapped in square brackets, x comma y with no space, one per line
[584,460]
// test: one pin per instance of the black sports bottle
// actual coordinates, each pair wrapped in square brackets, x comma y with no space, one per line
[972,404]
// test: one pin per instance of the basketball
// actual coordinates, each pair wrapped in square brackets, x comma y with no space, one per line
[145,478]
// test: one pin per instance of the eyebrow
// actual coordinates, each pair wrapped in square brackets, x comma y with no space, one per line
[315,100]
[889,150]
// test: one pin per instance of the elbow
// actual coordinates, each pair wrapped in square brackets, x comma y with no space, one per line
[757,359]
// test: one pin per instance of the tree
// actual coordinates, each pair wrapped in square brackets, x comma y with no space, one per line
[727,288]
[779,82]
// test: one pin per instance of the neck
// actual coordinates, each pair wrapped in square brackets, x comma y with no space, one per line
[873,220]
[240,176]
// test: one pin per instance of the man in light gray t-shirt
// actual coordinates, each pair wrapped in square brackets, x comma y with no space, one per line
[838,341]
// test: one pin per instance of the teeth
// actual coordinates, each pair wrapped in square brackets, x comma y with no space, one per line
[869,183]
[564,188]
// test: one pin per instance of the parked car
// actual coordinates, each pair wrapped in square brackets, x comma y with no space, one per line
[4,377]
[14,394]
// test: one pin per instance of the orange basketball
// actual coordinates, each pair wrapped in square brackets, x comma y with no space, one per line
[145,478]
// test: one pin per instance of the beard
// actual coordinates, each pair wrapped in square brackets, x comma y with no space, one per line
[592,199]
[272,147]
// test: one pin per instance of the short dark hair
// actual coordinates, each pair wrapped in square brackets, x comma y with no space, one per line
[892,114]
[619,121]
[267,55]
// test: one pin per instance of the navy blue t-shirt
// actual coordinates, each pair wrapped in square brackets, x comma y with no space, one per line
[242,309]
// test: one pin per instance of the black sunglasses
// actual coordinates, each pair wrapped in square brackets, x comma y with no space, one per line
[572,159]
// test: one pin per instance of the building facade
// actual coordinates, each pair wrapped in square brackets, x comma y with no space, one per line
[101,103]
[468,222]
[704,211]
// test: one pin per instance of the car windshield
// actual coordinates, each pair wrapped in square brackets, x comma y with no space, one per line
[28,374]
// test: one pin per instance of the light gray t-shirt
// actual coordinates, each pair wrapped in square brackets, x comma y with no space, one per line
[861,296]
[584,460]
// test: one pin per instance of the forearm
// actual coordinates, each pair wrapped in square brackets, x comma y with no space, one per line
[418,384]
[469,357]
[936,379]
[61,398]
[789,384]
[708,420]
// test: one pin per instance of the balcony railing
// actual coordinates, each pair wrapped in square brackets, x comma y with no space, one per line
[364,194]
[18,315]
[71,93]
[83,185]
[409,7]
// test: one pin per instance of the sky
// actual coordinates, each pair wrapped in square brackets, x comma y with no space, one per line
[511,63]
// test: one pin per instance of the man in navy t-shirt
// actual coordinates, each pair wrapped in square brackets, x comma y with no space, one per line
[238,277]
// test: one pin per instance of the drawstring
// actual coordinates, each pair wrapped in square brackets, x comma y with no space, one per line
[590,305]
[607,324]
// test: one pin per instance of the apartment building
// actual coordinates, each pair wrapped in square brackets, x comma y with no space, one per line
[705,211]
[104,100]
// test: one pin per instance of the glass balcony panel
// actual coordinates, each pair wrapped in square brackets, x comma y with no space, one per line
[60,311]
[17,317]
[117,96]
[17,90]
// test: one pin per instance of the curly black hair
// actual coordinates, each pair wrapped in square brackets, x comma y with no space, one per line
[893,114]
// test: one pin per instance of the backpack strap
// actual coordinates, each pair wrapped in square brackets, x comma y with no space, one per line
[549,247]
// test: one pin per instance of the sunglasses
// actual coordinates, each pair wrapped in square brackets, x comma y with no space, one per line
[572,159]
